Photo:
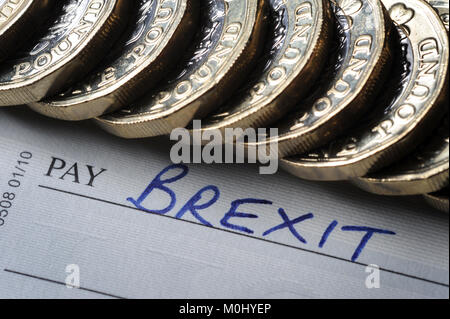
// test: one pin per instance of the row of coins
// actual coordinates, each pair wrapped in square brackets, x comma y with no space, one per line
[357,88]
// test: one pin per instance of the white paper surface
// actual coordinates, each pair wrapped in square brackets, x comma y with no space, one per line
[121,251]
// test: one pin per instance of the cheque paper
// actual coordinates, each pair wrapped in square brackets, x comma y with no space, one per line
[82,218]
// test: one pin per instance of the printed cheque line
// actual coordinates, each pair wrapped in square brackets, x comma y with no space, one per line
[244,235]
[59,283]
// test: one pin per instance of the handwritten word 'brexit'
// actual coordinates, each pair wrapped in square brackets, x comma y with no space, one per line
[162,181]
